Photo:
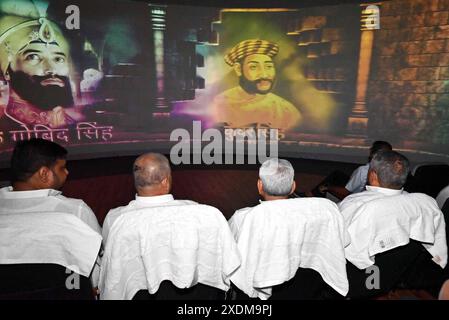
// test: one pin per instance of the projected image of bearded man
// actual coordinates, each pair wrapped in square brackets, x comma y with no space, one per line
[35,63]
[252,101]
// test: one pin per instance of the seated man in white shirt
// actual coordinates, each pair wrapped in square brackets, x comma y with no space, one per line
[385,218]
[290,248]
[153,182]
[358,179]
[39,171]
[387,174]
[173,247]
[276,182]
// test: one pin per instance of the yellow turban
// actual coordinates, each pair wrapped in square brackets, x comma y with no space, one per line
[248,47]
[16,33]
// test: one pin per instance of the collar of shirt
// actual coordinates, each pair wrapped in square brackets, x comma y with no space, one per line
[155,199]
[386,191]
[9,193]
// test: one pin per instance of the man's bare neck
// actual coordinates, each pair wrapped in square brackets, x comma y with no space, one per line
[271,198]
[23,186]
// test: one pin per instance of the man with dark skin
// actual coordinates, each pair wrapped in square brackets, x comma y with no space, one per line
[39,171]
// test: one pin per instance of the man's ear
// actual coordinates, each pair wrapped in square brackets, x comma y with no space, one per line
[260,187]
[238,69]
[293,187]
[166,183]
[373,179]
[44,174]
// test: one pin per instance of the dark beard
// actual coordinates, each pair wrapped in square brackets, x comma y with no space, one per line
[30,89]
[251,86]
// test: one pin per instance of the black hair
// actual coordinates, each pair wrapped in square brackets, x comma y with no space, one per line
[378,146]
[31,155]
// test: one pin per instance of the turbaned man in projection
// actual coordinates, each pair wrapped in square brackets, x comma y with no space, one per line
[34,60]
[252,101]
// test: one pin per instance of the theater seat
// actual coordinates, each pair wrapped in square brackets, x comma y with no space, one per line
[169,253]
[393,267]
[428,178]
[42,282]
[306,285]
[168,291]
[424,273]
[36,250]
[291,249]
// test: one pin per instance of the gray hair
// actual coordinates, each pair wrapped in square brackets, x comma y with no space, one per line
[150,169]
[392,169]
[277,177]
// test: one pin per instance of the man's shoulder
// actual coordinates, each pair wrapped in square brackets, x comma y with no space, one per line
[115,212]
[184,202]
[72,202]
[241,213]
[228,95]
[362,169]
[358,198]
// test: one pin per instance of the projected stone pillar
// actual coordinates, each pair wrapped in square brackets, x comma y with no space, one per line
[158,26]
[358,119]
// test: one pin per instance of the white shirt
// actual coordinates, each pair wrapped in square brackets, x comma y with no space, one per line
[349,205]
[357,182]
[382,219]
[185,244]
[442,197]
[277,237]
[137,204]
[46,200]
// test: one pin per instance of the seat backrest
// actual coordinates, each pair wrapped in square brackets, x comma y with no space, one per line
[307,284]
[168,291]
[442,197]
[388,271]
[279,237]
[429,178]
[42,282]
[184,244]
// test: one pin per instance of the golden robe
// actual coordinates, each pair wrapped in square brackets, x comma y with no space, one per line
[239,109]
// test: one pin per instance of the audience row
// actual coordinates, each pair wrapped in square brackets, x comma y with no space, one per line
[377,238]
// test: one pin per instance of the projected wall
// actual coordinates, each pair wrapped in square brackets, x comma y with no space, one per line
[112,77]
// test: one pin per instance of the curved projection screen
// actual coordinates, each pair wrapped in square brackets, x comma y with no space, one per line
[119,77]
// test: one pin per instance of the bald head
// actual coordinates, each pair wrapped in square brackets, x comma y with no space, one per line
[152,174]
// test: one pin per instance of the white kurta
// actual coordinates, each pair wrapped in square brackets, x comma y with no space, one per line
[46,200]
[137,204]
[382,219]
[48,237]
[277,237]
[185,244]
